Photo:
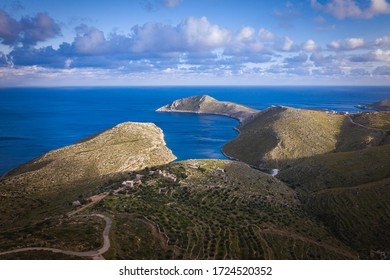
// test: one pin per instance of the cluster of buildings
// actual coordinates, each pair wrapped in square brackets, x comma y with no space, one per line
[138,178]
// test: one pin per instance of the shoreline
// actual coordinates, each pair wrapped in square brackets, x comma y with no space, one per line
[270,171]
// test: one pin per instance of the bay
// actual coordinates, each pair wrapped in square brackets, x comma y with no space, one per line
[36,120]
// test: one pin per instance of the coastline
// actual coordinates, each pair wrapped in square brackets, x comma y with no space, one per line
[270,171]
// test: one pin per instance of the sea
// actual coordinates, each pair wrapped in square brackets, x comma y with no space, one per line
[34,121]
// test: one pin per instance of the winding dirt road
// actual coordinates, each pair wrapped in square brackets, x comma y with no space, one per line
[96,254]
[366,127]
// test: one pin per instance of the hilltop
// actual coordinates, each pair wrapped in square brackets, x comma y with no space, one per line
[204,104]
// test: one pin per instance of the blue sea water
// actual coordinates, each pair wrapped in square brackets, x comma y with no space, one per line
[36,120]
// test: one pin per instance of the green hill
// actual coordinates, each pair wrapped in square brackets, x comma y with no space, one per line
[279,135]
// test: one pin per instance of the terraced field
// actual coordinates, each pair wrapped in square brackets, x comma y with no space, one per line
[77,233]
[216,210]
[357,215]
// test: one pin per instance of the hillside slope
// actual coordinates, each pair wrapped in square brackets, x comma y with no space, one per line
[349,192]
[66,173]
[215,210]
[279,135]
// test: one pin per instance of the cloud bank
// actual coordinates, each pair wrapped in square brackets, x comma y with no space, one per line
[350,9]
[195,48]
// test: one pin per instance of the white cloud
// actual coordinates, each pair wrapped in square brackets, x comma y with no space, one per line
[380,6]
[245,34]
[354,43]
[89,40]
[350,9]
[266,35]
[199,33]
[310,46]
[381,55]
[288,43]
[347,44]
[334,45]
[383,41]
[68,63]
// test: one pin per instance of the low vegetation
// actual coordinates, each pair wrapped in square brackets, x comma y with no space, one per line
[280,135]
[217,210]
[77,233]
[379,120]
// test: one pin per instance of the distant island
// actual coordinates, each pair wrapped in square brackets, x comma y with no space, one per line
[120,195]
[204,104]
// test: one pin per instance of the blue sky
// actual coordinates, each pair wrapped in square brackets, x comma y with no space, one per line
[203,42]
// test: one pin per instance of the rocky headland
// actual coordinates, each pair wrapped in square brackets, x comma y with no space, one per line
[204,104]
[73,172]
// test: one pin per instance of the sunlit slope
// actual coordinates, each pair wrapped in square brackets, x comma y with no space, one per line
[279,135]
[55,178]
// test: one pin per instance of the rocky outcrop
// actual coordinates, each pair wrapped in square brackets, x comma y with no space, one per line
[204,104]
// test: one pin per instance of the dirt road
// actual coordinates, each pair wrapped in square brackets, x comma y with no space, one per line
[93,254]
